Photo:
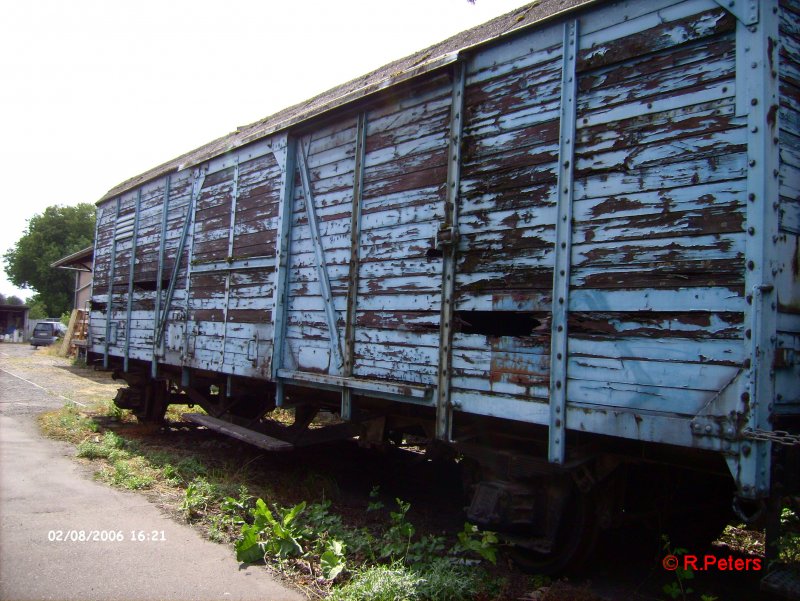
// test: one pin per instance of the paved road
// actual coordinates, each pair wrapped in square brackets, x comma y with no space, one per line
[43,491]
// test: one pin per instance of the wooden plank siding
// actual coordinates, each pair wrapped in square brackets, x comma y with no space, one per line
[659,210]
[789,187]
[656,307]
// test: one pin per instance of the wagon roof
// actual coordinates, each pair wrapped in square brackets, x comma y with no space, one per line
[387,76]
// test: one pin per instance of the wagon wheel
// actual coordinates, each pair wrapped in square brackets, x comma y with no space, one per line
[153,402]
[574,540]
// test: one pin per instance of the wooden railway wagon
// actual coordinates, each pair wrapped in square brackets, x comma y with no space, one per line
[563,245]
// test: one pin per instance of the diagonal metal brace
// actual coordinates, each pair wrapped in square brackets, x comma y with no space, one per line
[319,256]
[745,11]
[200,177]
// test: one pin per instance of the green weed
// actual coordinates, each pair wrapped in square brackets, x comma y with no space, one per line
[380,583]
[789,541]
[197,498]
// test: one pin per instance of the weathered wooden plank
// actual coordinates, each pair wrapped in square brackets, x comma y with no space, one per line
[681,24]
[640,397]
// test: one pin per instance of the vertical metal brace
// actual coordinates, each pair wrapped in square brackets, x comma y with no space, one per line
[322,270]
[111,275]
[355,247]
[563,249]
[137,210]
[444,407]
[161,246]
[229,274]
[285,153]
[761,47]
[197,185]
[98,216]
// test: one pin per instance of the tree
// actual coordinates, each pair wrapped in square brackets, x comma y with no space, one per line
[57,232]
[14,300]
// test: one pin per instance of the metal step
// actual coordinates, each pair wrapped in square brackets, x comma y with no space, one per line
[260,440]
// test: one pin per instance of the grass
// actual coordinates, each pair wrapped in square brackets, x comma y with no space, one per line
[360,553]
[319,552]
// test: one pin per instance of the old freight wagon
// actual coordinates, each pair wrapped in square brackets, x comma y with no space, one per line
[563,245]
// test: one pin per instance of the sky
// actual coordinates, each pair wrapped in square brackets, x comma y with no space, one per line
[93,92]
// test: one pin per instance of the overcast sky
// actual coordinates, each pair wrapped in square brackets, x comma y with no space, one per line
[93,92]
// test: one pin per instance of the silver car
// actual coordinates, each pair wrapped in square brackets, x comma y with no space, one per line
[46,333]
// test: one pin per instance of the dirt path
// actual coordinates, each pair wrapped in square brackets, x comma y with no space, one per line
[47,505]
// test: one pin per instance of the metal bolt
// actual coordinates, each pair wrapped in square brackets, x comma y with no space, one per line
[754,101]
[751,197]
[751,230]
[745,397]
[752,162]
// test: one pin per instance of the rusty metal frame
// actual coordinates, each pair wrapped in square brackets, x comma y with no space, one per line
[229,273]
[111,274]
[448,234]
[319,255]
[563,249]
[285,153]
[197,185]
[355,246]
[136,213]
[159,278]
[760,45]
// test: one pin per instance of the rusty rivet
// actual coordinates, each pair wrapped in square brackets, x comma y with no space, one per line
[562,272]
[749,299]
[752,162]
[558,423]
[558,409]
[563,245]
[560,328]
[745,397]
[746,363]
[751,197]
[558,356]
[748,333]
[561,301]
[566,164]
[558,384]
[751,266]
[751,230]
[754,101]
